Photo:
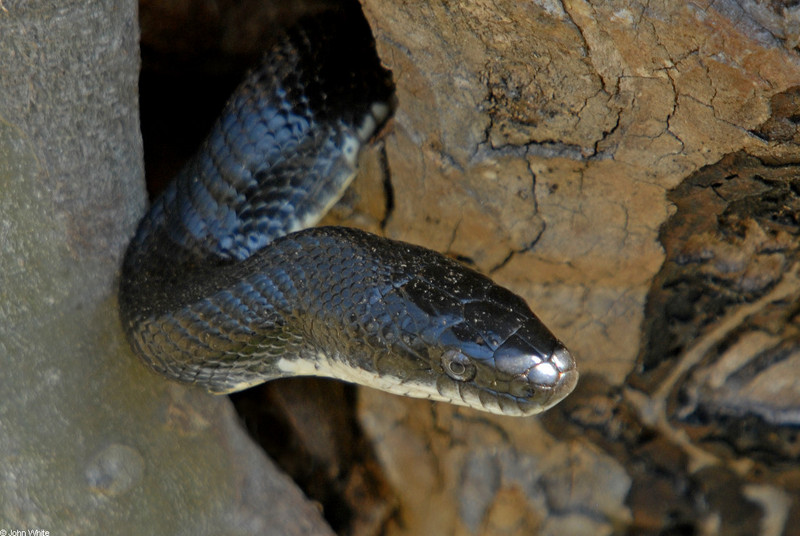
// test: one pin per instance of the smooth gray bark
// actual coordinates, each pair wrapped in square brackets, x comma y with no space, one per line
[91,442]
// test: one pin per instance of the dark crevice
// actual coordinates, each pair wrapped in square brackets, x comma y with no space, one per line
[388,187]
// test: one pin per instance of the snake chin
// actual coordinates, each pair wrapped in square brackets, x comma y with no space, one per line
[330,368]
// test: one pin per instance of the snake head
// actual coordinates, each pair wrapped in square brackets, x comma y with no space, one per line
[520,382]
[508,364]
[464,339]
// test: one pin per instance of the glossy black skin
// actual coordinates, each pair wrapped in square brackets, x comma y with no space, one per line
[213,293]
[388,307]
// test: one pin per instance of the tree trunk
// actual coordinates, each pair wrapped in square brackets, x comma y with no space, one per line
[90,442]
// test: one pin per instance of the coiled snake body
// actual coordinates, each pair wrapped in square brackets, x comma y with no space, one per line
[224,285]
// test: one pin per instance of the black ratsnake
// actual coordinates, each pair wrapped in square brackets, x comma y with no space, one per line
[225,285]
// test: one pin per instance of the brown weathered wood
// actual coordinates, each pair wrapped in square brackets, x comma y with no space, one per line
[542,141]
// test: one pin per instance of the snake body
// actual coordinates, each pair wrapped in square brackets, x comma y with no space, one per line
[225,285]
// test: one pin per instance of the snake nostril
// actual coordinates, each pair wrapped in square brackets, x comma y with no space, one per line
[521,387]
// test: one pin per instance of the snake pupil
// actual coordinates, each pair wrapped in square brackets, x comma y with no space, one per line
[457,368]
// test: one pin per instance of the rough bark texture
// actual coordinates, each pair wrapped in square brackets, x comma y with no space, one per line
[90,443]
[549,143]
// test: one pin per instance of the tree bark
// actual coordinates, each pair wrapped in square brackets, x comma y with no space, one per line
[630,168]
[90,442]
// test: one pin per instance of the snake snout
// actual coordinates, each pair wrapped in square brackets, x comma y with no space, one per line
[540,382]
[558,375]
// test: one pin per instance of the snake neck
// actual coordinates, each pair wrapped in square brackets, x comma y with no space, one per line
[280,155]
[284,148]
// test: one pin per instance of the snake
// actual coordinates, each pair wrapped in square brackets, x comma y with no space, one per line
[228,282]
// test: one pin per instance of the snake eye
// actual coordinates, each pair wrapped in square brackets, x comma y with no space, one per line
[458,366]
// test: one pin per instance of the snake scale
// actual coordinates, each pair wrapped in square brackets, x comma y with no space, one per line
[226,284]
